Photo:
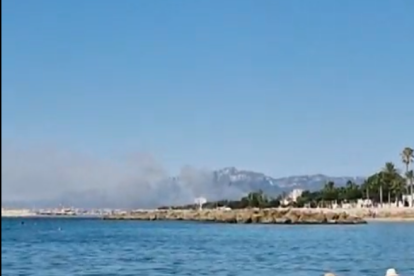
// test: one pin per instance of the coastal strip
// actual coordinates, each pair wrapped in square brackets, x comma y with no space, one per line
[244,216]
[383,214]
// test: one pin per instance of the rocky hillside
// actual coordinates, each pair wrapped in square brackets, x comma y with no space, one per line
[252,181]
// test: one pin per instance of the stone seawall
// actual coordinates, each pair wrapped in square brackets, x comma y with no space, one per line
[262,216]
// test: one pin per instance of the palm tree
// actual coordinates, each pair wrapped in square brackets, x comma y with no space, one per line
[371,186]
[409,175]
[407,156]
[257,199]
[329,186]
[252,199]
[329,192]
[352,191]
[398,185]
[367,185]
[390,174]
[377,182]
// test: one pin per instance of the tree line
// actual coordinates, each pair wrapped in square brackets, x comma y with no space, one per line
[385,186]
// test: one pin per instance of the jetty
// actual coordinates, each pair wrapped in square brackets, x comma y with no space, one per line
[244,216]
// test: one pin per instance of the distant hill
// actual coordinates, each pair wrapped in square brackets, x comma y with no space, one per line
[252,181]
[245,181]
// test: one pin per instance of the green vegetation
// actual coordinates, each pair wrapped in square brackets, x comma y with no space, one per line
[388,183]
[407,156]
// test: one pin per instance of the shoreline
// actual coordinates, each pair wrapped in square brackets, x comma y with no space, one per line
[307,215]
[367,219]
[385,214]
[370,219]
[50,217]
[293,216]
[300,215]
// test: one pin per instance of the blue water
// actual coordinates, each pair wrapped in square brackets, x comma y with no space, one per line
[43,247]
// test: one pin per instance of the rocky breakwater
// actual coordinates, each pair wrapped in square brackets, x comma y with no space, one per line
[261,216]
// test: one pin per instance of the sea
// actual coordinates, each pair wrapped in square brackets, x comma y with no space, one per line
[60,246]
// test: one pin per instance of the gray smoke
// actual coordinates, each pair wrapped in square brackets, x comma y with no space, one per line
[46,177]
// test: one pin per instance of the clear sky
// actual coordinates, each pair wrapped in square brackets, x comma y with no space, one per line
[281,87]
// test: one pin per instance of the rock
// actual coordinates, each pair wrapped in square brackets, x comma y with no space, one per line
[260,216]
[312,218]
[282,221]
[256,218]
[292,217]
[331,216]
[343,218]
[267,219]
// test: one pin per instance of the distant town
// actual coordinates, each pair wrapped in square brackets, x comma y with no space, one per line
[58,212]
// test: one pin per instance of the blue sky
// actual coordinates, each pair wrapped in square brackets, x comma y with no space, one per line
[281,87]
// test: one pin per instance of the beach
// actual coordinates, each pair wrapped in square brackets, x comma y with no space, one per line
[390,214]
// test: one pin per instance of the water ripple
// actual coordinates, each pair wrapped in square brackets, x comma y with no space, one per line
[45,247]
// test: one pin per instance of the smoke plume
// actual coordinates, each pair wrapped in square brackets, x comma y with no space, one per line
[45,177]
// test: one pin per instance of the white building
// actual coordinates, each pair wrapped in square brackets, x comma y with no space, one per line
[295,194]
[364,203]
[292,197]
[200,201]
[409,199]
[16,212]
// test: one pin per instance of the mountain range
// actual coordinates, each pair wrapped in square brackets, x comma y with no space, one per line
[252,181]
